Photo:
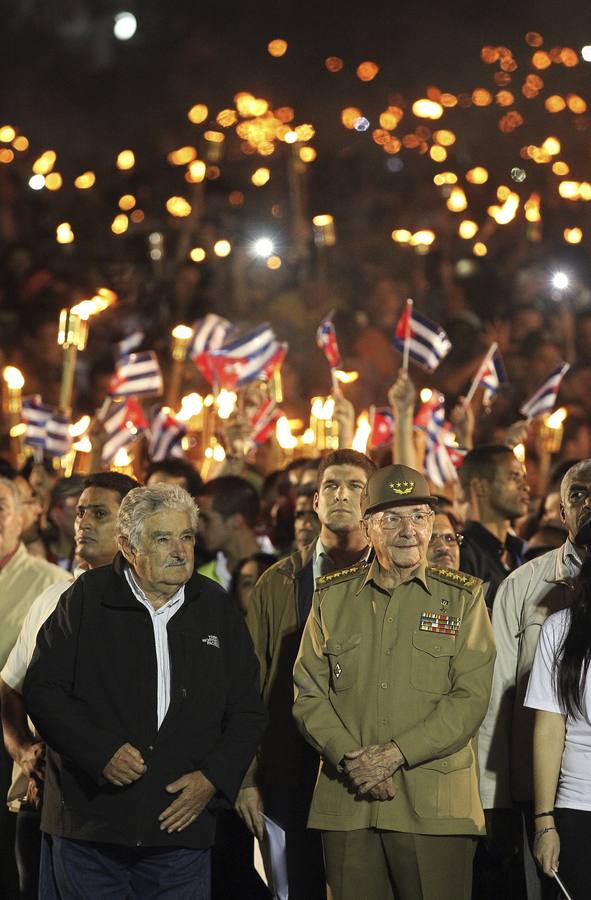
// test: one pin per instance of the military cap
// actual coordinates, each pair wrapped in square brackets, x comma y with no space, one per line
[395,486]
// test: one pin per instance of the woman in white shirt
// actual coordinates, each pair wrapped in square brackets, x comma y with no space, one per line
[560,692]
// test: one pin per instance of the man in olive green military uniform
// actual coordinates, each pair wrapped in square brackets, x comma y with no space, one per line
[392,682]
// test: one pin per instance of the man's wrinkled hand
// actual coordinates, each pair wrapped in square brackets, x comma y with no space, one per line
[403,394]
[367,767]
[195,793]
[125,766]
[249,806]
[31,760]
[387,790]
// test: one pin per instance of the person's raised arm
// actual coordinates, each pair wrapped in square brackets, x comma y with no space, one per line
[402,396]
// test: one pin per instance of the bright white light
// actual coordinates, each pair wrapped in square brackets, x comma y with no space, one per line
[263,247]
[37,182]
[560,281]
[125,26]
[586,52]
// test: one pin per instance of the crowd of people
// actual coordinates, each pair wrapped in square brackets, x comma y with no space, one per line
[157,626]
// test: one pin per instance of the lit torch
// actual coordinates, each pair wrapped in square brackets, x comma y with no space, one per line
[12,387]
[181,339]
[73,335]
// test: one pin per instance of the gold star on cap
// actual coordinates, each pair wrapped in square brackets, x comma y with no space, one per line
[402,487]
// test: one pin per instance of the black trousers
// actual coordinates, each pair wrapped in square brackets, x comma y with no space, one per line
[574,830]
[8,872]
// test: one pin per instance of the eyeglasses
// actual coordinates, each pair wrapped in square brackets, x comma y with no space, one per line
[448,537]
[392,521]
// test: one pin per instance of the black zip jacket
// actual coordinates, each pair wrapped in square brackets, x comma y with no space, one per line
[92,686]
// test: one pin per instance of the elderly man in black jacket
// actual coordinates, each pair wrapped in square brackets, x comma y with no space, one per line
[144,684]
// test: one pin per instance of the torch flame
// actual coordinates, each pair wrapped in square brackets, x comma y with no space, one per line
[285,438]
[225,402]
[191,405]
[78,428]
[425,395]
[556,419]
[122,458]
[13,377]
[362,433]
[83,445]
[182,332]
[346,377]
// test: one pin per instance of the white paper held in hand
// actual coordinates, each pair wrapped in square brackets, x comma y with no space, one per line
[270,860]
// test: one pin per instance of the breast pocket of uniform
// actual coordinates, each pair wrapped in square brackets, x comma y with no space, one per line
[431,658]
[343,658]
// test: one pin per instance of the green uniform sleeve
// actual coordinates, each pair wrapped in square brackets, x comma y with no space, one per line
[458,715]
[314,713]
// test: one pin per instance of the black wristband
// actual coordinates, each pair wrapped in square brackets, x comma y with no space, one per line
[540,815]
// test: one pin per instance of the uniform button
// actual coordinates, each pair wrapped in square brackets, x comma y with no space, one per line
[337,646]
[388,652]
[390,619]
[384,721]
[444,764]
[437,647]
[384,685]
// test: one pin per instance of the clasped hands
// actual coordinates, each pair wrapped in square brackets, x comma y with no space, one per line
[370,770]
[194,789]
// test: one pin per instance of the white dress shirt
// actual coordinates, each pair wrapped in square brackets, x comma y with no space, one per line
[160,619]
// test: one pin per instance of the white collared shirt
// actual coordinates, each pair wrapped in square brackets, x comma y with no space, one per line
[160,619]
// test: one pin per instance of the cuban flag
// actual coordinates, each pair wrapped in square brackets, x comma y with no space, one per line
[57,435]
[438,464]
[210,333]
[124,422]
[428,342]
[166,435]
[544,399]
[326,339]
[137,374]
[491,377]
[253,356]
[262,422]
[381,420]
[35,416]
[130,343]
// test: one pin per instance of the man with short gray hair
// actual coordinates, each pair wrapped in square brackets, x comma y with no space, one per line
[144,685]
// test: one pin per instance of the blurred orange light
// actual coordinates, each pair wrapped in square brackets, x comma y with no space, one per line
[401,235]
[266,148]
[569,190]
[392,145]
[126,202]
[585,190]
[532,208]
[448,100]
[236,198]
[214,137]
[445,178]
[197,254]
[64,233]
[222,248]
[467,229]
[555,103]
[423,238]
[120,224]
[125,159]
[505,98]
[489,54]
[560,168]
[53,181]
[427,109]
[7,134]
[477,175]
[138,215]
[6,155]
[390,118]
[196,171]
[479,249]
[212,172]
[198,113]
[552,146]
[178,207]
[334,63]
[20,143]
[349,116]
[367,71]
[534,39]
[284,114]
[274,262]
[182,156]
[573,235]
[568,58]
[541,60]
[445,138]
[85,181]
[260,177]
[307,154]
[481,97]
[44,163]
[226,117]
[456,202]
[305,132]
[437,153]
[575,103]
[277,48]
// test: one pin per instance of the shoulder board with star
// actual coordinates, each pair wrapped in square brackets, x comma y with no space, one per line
[331,578]
[454,577]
